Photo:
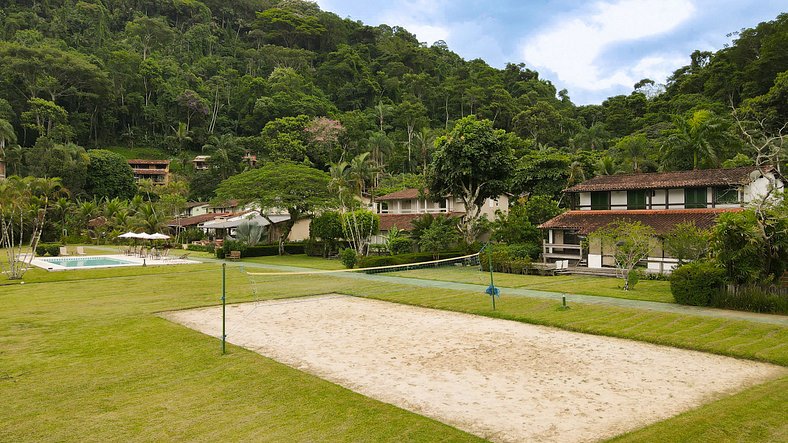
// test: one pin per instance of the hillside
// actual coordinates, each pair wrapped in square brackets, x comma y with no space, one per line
[285,80]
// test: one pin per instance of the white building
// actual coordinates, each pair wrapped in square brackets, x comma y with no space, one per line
[660,200]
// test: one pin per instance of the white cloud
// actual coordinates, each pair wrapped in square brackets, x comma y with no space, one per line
[572,46]
[424,18]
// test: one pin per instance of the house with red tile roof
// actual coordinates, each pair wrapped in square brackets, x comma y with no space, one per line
[157,171]
[399,209]
[661,200]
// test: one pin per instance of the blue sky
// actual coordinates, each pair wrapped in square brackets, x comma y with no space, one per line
[595,49]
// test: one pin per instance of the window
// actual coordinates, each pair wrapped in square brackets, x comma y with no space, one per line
[695,198]
[636,199]
[600,201]
[726,196]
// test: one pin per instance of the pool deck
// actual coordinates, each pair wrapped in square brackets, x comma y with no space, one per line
[42,262]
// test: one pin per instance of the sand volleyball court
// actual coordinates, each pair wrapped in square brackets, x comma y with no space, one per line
[502,380]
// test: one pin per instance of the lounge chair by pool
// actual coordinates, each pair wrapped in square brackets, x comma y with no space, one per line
[64,251]
[80,250]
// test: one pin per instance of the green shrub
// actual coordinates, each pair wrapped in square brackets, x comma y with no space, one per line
[400,245]
[53,249]
[402,259]
[201,248]
[633,278]
[511,259]
[348,257]
[753,298]
[696,283]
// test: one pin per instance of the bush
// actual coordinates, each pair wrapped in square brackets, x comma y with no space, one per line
[201,248]
[258,251]
[348,257]
[191,235]
[400,245]
[52,249]
[402,259]
[753,298]
[696,283]
[511,259]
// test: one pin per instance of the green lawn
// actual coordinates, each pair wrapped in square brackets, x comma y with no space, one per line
[299,260]
[650,290]
[84,357]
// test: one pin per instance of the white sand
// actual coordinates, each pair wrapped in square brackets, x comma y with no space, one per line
[502,380]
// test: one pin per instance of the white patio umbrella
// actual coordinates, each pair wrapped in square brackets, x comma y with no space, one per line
[145,236]
[129,235]
[158,236]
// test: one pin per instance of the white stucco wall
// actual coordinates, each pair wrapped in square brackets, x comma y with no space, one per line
[585,200]
[618,200]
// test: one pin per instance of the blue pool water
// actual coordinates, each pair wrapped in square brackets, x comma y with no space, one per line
[87,262]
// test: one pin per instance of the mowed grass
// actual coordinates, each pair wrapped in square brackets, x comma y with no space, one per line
[297,260]
[87,358]
[649,290]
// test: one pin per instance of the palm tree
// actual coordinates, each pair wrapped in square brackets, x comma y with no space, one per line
[7,136]
[576,173]
[381,147]
[702,134]
[605,166]
[13,157]
[181,136]
[62,207]
[148,219]
[362,170]
[424,141]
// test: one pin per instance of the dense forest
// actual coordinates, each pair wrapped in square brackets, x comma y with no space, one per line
[286,81]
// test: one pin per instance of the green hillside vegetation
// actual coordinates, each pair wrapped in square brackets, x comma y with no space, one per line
[286,81]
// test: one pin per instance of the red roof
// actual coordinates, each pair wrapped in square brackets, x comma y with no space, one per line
[403,221]
[662,180]
[186,222]
[663,221]
[405,194]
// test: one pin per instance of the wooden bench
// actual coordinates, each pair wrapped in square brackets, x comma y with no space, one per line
[234,255]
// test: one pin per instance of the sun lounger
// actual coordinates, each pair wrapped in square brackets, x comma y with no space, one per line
[80,250]
[64,251]
[184,256]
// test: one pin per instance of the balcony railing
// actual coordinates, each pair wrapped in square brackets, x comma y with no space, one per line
[414,211]
[561,251]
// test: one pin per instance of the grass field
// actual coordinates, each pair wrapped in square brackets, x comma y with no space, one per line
[84,357]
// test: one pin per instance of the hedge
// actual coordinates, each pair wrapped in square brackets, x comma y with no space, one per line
[262,250]
[696,283]
[403,259]
[52,249]
[510,259]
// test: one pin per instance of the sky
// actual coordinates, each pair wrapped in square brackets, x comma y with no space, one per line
[594,49]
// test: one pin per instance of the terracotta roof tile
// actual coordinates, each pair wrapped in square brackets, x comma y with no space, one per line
[662,221]
[186,222]
[661,180]
[405,194]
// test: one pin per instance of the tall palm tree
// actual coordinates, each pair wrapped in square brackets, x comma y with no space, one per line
[7,136]
[150,220]
[361,171]
[702,134]
[424,142]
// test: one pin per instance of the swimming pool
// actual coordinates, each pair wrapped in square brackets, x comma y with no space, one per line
[56,263]
[87,262]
